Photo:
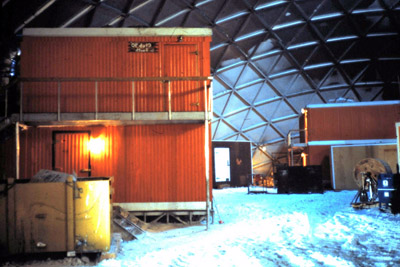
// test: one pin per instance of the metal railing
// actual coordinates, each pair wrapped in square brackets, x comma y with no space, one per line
[132,80]
[291,146]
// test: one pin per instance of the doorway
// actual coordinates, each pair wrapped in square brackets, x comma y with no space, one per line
[71,153]
[238,155]
[222,164]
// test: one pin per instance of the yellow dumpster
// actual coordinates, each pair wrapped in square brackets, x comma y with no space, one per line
[71,216]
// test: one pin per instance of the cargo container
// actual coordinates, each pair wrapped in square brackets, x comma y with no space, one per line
[130,103]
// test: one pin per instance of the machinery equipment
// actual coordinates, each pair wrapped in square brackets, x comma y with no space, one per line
[366,173]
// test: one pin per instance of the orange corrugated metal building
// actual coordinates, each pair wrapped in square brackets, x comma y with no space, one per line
[333,124]
[140,97]
[150,163]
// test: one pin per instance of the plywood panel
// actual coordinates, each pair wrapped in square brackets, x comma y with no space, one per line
[344,158]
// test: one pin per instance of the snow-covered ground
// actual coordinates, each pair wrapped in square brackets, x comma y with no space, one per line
[273,230]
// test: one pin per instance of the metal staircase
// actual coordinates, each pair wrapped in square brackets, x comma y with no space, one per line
[124,220]
[295,150]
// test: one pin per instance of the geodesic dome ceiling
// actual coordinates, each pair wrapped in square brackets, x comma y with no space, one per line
[269,59]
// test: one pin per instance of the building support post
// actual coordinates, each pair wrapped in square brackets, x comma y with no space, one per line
[96,89]
[169,101]
[207,153]
[133,100]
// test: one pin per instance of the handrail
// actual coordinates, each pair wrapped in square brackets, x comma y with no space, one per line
[289,143]
[96,80]
[113,79]
[289,135]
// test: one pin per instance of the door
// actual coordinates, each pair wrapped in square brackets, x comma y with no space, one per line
[222,164]
[182,60]
[71,153]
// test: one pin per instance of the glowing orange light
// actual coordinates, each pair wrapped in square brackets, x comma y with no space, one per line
[97,145]
[305,112]
[304,157]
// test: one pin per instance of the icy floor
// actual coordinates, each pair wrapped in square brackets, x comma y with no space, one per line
[273,230]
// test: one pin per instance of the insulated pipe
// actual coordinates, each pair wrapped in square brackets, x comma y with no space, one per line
[21,92]
[6,104]
[17,150]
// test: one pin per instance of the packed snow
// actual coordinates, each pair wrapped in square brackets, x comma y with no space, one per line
[271,230]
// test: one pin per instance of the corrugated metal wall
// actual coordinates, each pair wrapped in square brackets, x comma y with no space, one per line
[352,123]
[186,95]
[106,57]
[71,152]
[317,154]
[347,123]
[150,163]
[165,163]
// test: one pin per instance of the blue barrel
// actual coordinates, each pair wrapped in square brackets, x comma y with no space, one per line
[385,188]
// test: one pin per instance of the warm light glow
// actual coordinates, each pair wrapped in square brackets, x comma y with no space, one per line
[305,125]
[304,158]
[96,145]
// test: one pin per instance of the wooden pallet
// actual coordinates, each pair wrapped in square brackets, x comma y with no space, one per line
[366,205]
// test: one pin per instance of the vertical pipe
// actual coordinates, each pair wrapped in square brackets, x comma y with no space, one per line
[6,104]
[306,126]
[133,100]
[206,154]
[95,99]
[21,92]
[291,157]
[169,101]
[210,97]
[17,150]
[58,100]
[205,101]
[290,150]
